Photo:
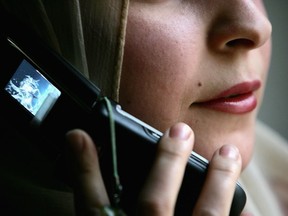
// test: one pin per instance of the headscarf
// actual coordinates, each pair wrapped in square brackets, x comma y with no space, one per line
[89,34]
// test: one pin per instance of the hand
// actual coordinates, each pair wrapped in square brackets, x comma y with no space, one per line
[158,196]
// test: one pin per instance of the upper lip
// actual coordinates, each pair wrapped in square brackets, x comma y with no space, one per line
[241,88]
[236,90]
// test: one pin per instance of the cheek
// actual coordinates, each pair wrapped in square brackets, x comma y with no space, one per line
[150,87]
[155,75]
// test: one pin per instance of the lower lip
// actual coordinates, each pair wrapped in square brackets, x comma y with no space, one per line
[236,105]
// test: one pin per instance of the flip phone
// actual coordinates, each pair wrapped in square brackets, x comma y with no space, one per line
[45,96]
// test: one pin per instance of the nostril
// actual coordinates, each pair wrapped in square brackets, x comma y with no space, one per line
[241,42]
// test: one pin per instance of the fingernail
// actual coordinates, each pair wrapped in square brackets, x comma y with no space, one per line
[180,131]
[229,151]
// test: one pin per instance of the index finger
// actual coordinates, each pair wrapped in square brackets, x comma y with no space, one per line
[158,197]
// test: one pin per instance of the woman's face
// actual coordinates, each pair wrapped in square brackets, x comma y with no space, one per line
[201,62]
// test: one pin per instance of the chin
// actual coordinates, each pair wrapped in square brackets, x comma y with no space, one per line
[207,145]
[211,134]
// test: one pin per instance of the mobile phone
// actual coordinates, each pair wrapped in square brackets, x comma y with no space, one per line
[45,96]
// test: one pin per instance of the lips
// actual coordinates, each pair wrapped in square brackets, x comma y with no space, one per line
[238,99]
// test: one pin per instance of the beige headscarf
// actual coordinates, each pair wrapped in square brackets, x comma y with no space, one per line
[88,33]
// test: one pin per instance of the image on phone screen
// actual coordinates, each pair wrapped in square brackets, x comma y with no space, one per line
[32,90]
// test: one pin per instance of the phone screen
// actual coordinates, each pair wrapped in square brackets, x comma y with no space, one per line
[32,90]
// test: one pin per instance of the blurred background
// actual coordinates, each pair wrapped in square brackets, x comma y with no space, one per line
[274,110]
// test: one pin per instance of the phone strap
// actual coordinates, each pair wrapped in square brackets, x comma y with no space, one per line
[117,186]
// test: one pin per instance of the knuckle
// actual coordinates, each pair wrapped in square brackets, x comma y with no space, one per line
[175,149]
[207,212]
[153,206]
[227,168]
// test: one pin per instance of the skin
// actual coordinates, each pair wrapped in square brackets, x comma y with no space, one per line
[179,53]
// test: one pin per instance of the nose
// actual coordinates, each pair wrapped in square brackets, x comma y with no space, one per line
[239,24]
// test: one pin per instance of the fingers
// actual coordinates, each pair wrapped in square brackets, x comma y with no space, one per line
[160,192]
[89,189]
[219,187]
